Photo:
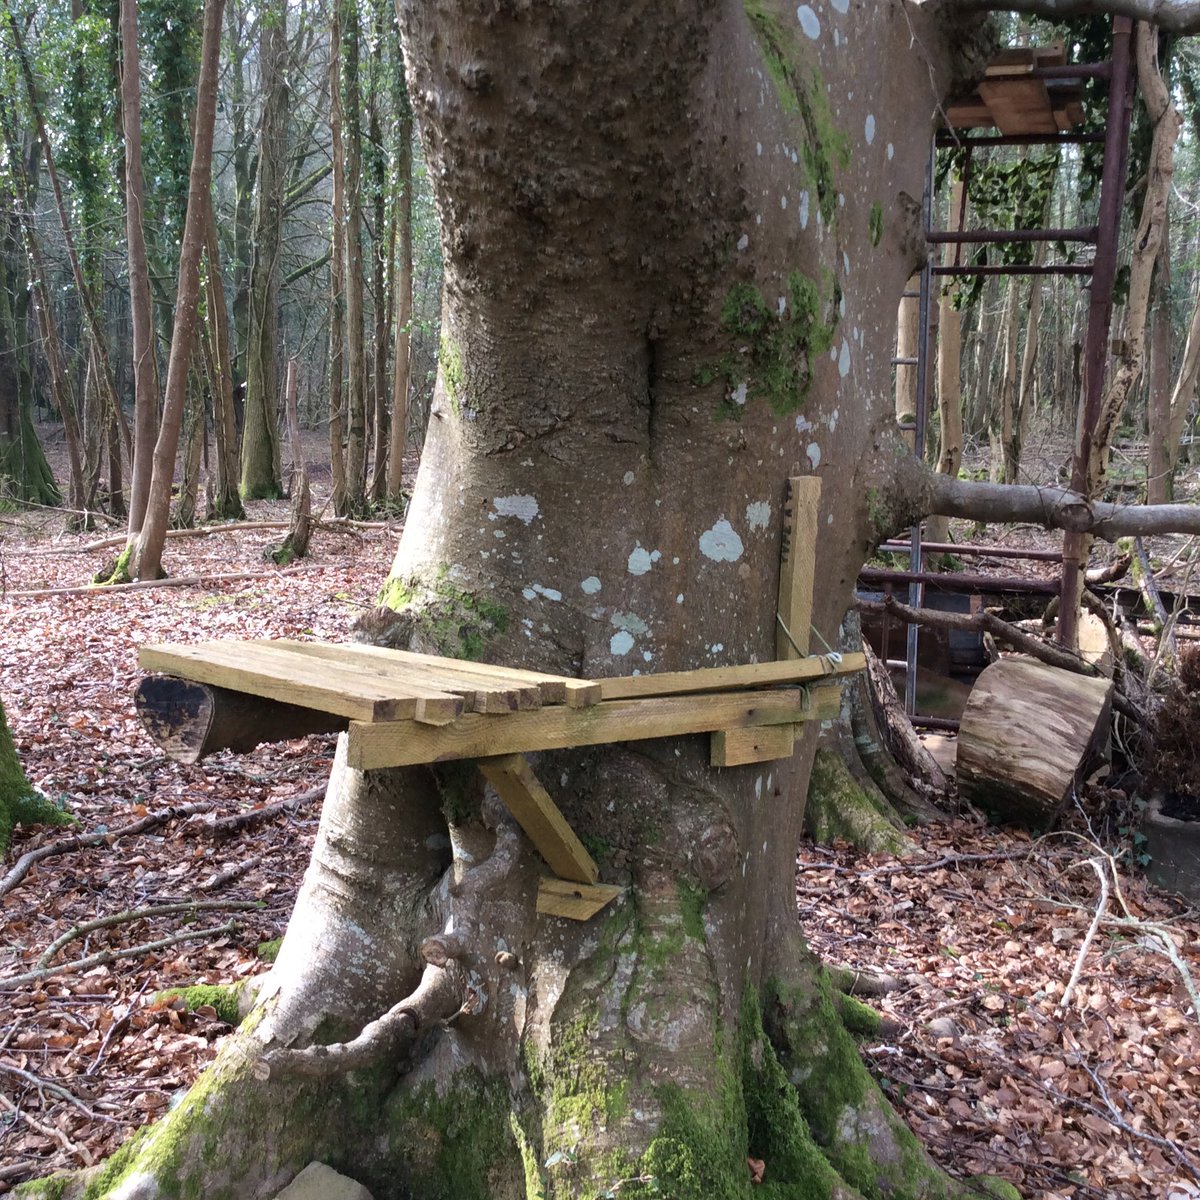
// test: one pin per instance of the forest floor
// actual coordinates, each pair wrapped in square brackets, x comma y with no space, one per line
[981,930]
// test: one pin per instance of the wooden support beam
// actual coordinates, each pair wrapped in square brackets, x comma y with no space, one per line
[737,747]
[403,743]
[279,674]
[576,901]
[189,720]
[537,814]
[797,565]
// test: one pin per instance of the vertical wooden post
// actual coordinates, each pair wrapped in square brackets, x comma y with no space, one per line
[800,512]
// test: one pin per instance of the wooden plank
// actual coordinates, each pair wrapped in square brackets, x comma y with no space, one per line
[478,694]
[404,743]
[580,693]
[243,668]
[576,901]
[1020,106]
[537,814]
[736,747]
[718,679]
[969,112]
[553,688]
[797,565]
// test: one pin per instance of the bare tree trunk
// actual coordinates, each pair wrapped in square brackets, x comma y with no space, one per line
[226,501]
[260,435]
[1184,392]
[1002,428]
[1163,452]
[356,446]
[402,290]
[1027,393]
[145,552]
[145,356]
[337,274]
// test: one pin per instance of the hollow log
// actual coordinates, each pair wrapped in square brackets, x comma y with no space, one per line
[189,720]
[1028,736]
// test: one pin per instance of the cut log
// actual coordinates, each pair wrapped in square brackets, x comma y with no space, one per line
[1029,735]
[189,720]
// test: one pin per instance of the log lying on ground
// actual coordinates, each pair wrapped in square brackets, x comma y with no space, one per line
[189,720]
[1029,735]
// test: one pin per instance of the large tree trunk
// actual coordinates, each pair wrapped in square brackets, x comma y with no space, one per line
[402,290]
[614,235]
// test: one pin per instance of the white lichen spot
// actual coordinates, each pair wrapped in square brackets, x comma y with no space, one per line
[758,515]
[814,454]
[844,359]
[629,477]
[808,21]
[721,543]
[675,561]
[803,424]
[630,622]
[869,128]
[845,262]
[758,148]
[832,420]
[524,508]
[640,561]
[842,6]
[743,241]
[621,643]
[891,151]
[783,202]
[679,598]
[803,210]
[758,782]
[837,39]
[739,393]
[781,305]
[536,589]
[842,307]
[499,533]
[716,648]
[590,586]
[647,656]
[841,199]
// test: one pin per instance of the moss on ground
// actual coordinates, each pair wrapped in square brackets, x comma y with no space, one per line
[19,803]
[225,999]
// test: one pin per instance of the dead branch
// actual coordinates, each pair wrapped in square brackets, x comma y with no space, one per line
[82,841]
[139,914]
[1176,16]
[55,1089]
[110,589]
[51,1131]
[227,826]
[1088,937]
[103,957]
[986,622]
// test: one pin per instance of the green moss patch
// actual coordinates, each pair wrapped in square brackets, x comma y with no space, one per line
[838,808]
[452,620]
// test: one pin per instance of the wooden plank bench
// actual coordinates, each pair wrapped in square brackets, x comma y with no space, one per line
[402,709]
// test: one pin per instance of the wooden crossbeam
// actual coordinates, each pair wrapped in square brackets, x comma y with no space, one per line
[537,814]
[280,674]
[765,743]
[576,901]
[718,679]
[404,743]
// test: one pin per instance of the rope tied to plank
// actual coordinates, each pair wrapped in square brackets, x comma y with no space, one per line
[830,660]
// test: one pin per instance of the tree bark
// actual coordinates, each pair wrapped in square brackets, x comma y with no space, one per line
[145,351]
[260,435]
[337,274]
[144,559]
[402,290]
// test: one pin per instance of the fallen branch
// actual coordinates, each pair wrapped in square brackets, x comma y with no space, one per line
[229,874]
[109,589]
[335,524]
[1088,937]
[226,826]
[103,957]
[55,1089]
[51,1131]
[986,622]
[82,841]
[139,914]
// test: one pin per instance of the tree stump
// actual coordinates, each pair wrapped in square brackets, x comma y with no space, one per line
[1029,734]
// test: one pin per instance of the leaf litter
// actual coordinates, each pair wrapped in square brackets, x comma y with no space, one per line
[980,932]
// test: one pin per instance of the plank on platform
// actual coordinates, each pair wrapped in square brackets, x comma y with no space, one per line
[554,689]
[717,679]
[1019,105]
[797,566]
[404,743]
[537,814]
[280,674]
[763,743]
[478,694]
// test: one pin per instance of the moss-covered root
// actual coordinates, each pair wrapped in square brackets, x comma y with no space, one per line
[231,1002]
[19,803]
[839,807]
[858,1132]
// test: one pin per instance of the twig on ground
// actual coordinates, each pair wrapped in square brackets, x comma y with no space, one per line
[102,957]
[45,1085]
[82,841]
[110,589]
[1089,937]
[224,826]
[139,914]
[229,874]
[79,1151]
